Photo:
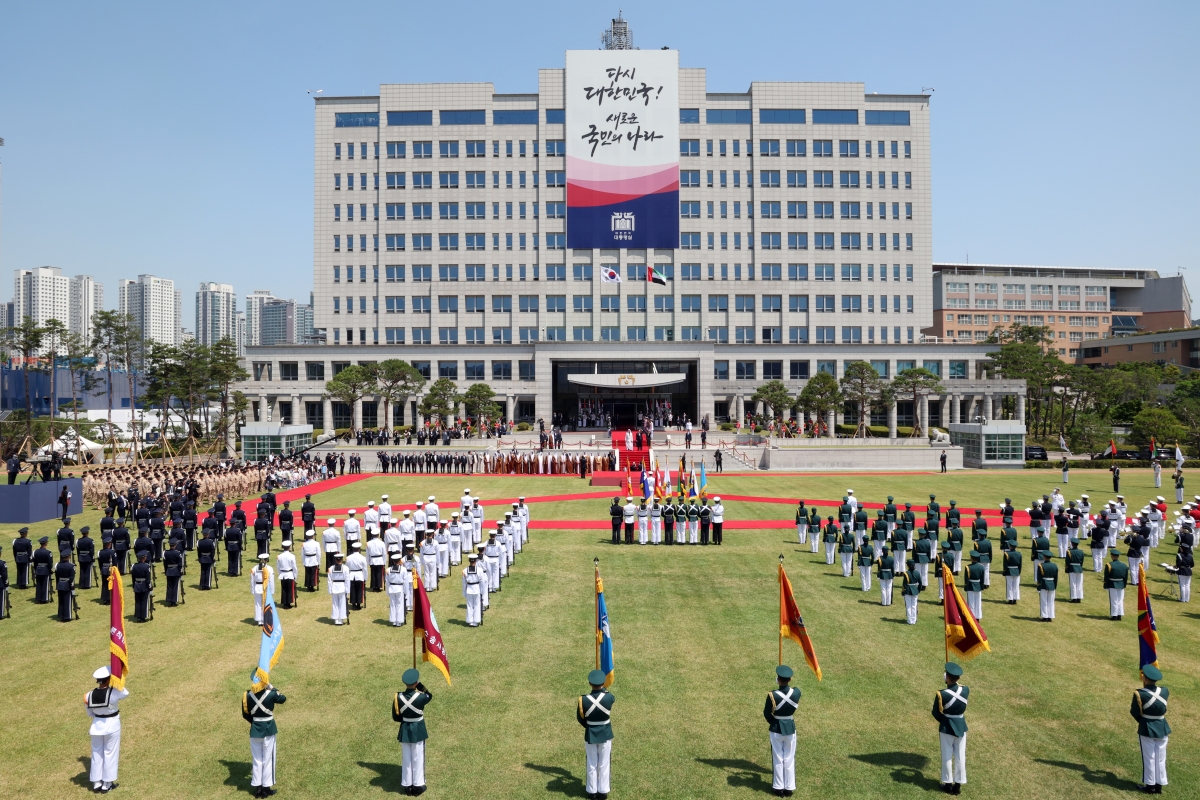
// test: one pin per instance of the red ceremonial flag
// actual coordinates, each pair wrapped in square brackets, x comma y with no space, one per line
[433,648]
[791,624]
[964,636]
[1147,630]
[118,648]
[1112,448]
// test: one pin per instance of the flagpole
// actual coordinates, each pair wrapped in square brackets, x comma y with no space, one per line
[945,597]
[415,632]
[596,613]
[781,606]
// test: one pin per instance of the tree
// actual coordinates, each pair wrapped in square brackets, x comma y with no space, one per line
[397,381]
[441,400]
[106,333]
[820,396]
[1157,423]
[1089,433]
[862,386]
[131,351]
[226,371]
[478,400]
[54,333]
[351,385]
[916,383]
[27,341]
[80,365]
[775,395]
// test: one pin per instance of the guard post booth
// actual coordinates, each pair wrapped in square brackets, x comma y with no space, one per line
[992,444]
[260,440]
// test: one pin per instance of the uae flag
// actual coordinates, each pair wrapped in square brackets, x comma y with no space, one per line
[654,275]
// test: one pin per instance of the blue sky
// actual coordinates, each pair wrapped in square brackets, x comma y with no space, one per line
[176,139]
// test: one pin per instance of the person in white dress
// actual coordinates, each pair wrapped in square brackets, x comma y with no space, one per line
[101,704]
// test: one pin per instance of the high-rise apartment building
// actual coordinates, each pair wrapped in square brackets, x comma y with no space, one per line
[216,313]
[42,294]
[284,322]
[86,297]
[155,306]
[254,305]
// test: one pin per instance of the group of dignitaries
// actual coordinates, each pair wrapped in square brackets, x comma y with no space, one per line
[895,545]
[672,521]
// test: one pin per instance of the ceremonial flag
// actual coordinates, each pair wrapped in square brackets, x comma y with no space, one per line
[604,650]
[1062,444]
[433,649]
[1147,631]
[1178,457]
[1153,448]
[118,648]
[662,481]
[1112,448]
[703,482]
[692,482]
[655,276]
[964,636]
[272,639]
[609,275]
[683,484]
[791,624]
[628,481]
[646,483]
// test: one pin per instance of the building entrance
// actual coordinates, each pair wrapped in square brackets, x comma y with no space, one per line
[596,395]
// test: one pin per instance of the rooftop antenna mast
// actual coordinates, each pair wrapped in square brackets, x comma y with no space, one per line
[618,36]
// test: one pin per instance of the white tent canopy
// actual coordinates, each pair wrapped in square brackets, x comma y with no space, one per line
[69,444]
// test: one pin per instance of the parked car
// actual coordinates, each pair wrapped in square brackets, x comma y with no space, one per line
[1164,454]
[1035,452]
[1122,455]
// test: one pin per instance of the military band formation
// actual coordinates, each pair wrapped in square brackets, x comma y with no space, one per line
[383,552]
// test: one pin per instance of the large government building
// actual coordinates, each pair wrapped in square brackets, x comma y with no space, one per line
[441,237]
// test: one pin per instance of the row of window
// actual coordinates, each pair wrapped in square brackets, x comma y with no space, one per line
[794,148]
[772,209]
[1047,289]
[1025,319]
[396,273]
[747,370]
[795,241]
[771,179]
[850,334]
[473,148]
[558,116]
[471,179]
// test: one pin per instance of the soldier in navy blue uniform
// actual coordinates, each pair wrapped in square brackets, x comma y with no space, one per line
[262,534]
[189,518]
[158,532]
[121,542]
[238,516]
[22,556]
[206,555]
[43,567]
[64,584]
[85,552]
[106,561]
[173,570]
[4,602]
[233,548]
[287,521]
[65,536]
[308,513]
[220,515]
[142,585]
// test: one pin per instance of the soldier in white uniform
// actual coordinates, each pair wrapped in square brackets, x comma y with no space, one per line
[473,583]
[467,540]
[339,587]
[357,564]
[352,528]
[629,517]
[455,531]
[285,567]
[420,522]
[412,565]
[507,540]
[310,555]
[442,537]
[853,501]
[332,541]
[465,502]
[1085,508]
[429,559]
[432,513]
[718,521]
[477,515]
[655,522]
[101,704]
[397,579]
[407,528]
[385,514]
[516,524]
[260,576]
[493,552]
[376,561]
[371,518]
[523,510]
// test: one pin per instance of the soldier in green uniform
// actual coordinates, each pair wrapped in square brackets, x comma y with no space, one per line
[408,708]
[953,515]
[846,514]
[879,532]
[845,539]
[866,560]
[979,524]
[693,517]
[861,518]
[954,534]
[899,541]
[909,520]
[593,711]
[1116,575]
[923,555]
[1040,545]
[910,590]
[949,708]
[887,572]
[1047,584]
[974,582]
[258,708]
[1075,557]
[942,561]
[1149,708]
[830,535]
[801,522]
[889,514]
[933,512]
[1012,574]
[1008,534]
[983,546]
[778,711]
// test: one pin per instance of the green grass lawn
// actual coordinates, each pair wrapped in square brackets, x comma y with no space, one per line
[695,633]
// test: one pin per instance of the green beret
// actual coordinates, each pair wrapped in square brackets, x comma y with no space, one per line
[410,677]
[954,669]
[1152,672]
[596,677]
[785,672]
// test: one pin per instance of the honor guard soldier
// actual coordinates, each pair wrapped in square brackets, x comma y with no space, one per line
[890,514]
[332,542]
[1137,546]
[238,515]
[845,539]
[474,586]
[385,514]
[371,519]
[628,517]
[397,579]
[144,542]
[879,532]
[66,536]
[454,530]
[285,565]
[1149,708]
[233,549]
[910,590]
[978,525]
[173,570]
[668,520]
[310,555]
[594,712]
[908,520]
[209,525]
[1011,565]
[339,587]
[942,562]
[143,577]
[5,603]
[43,568]
[85,553]
[492,553]
[442,538]
[949,708]
[258,708]
[655,522]
[408,708]
[22,550]
[801,522]
[866,560]
[1074,565]
[287,521]
[974,584]
[64,584]
[705,521]
[814,528]
[693,521]
[357,564]
[983,545]
[101,704]
[933,512]
[376,561]
[643,522]
[861,520]
[105,559]
[1099,541]
[830,536]
[189,526]
[778,711]
[206,555]
[308,514]
[158,532]
[262,535]
[220,514]
[429,571]
[923,555]
[1047,584]
[953,515]
[1116,575]
[886,564]
[718,521]
[352,529]
[260,579]
[954,535]
[1185,563]
[846,514]
[107,523]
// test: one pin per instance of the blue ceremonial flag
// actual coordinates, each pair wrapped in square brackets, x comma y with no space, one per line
[604,651]
[272,638]
[692,482]
[703,482]
[646,490]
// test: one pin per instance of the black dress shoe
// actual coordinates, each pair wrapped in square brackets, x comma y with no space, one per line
[419,790]
[958,788]
[947,788]
[1148,789]
[267,791]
